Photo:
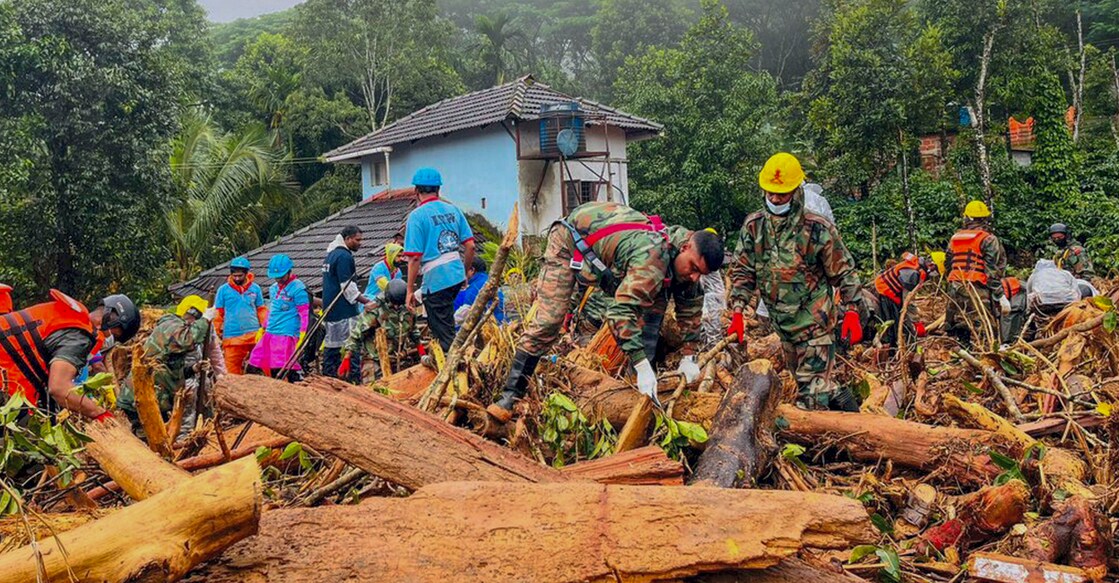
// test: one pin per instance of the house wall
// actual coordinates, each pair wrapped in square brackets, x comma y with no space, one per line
[542,196]
[476,164]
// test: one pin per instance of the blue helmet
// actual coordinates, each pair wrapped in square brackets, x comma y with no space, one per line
[279,266]
[240,263]
[427,177]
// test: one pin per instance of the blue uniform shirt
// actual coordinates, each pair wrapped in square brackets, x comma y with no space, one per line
[338,268]
[469,293]
[381,269]
[283,317]
[240,309]
[434,231]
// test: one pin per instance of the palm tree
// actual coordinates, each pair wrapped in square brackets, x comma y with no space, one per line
[495,45]
[221,179]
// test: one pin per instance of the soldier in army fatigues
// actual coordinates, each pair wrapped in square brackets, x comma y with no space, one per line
[976,264]
[386,311]
[631,257]
[794,259]
[1069,256]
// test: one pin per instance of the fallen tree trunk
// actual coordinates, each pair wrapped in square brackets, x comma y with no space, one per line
[740,440]
[1056,425]
[604,397]
[645,466]
[979,517]
[159,539]
[147,404]
[1077,533]
[407,383]
[791,570]
[542,532]
[134,467]
[960,453]
[384,437]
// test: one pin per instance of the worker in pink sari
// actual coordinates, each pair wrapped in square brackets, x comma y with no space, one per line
[289,311]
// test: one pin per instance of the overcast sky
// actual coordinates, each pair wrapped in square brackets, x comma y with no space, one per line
[226,10]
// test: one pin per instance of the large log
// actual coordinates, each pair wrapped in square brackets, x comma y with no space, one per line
[384,437]
[644,466]
[467,532]
[159,539]
[791,570]
[132,465]
[600,396]
[147,404]
[736,451]
[958,453]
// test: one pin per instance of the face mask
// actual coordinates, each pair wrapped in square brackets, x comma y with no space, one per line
[1060,243]
[778,209]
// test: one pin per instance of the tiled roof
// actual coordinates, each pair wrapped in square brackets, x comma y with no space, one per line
[378,220]
[518,100]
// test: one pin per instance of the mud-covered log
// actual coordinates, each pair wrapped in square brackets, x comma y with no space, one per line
[158,539]
[644,466]
[136,469]
[960,454]
[467,532]
[1077,534]
[740,437]
[382,436]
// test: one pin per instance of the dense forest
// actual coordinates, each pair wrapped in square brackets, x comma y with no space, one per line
[143,144]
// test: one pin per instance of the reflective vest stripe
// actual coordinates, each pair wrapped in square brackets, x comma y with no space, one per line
[968,264]
[29,358]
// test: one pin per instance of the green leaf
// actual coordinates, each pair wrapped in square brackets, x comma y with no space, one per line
[892,570]
[262,452]
[863,389]
[881,523]
[1110,321]
[860,552]
[971,388]
[693,431]
[304,459]
[1104,303]
[561,400]
[792,451]
[293,449]
[1060,494]
[5,498]
[1009,368]
[1002,461]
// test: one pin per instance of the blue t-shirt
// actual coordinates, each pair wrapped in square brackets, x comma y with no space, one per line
[434,229]
[338,268]
[283,318]
[469,293]
[240,309]
[380,270]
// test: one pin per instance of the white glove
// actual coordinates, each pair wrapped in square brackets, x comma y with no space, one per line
[689,368]
[1004,305]
[460,314]
[647,381]
[209,314]
[762,311]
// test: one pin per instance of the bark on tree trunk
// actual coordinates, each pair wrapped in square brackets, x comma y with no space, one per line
[385,438]
[981,116]
[645,466]
[135,468]
[740,440]
[541,532]
[147,404]
[159,539]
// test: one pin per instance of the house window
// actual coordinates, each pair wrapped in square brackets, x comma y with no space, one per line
[579,192]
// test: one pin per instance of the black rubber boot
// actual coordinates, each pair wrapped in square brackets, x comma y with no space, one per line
[524,365]
[844,399]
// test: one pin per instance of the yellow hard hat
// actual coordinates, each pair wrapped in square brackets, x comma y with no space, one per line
[189,302]
[938,258]
[781,174]
[977,209]
[712,231]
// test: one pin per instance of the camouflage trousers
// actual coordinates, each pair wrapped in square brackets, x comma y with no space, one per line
[962,314]
[554,290]
[811,363]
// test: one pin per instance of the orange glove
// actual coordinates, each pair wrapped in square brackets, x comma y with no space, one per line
[737,327]
[852,330]
[921,332]
[344,368]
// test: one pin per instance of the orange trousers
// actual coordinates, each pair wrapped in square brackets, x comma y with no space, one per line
[236,351]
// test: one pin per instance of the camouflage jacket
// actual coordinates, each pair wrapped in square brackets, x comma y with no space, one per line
[794,262]
[1075,260]
[641,262]
[400,329]
[994,260]
[172,339]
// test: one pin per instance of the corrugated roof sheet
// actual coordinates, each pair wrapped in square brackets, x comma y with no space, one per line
[379,220]
[519,100]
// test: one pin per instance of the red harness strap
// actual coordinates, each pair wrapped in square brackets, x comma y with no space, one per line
[654,225]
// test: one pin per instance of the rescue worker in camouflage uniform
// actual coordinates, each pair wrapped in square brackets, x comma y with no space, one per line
[403,336]
[976,263]
[635,259]
[794,259]
[174,347]
[1069,256]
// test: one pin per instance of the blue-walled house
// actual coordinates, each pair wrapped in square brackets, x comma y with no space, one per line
[518,142]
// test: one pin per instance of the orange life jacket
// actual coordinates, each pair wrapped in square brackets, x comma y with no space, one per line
[1011,287]
[967,257]
[889,284]
[24,367]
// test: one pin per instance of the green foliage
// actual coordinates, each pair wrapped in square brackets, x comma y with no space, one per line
[628,28]
[1054,165]
[30,439]
[571,437]
[719,125]
[676,435]
[92,92]
[230,38]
